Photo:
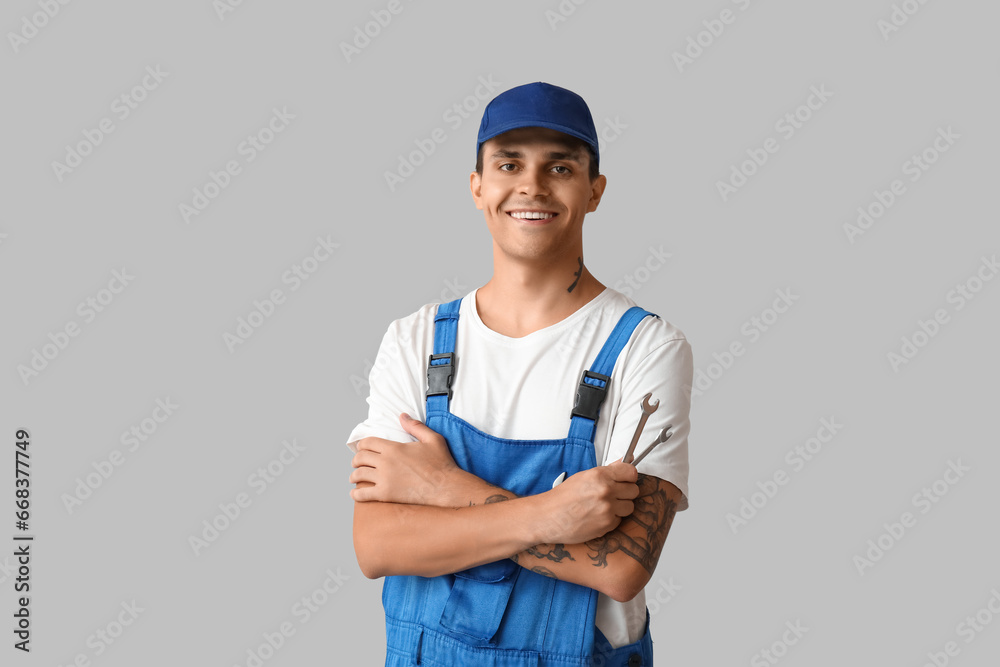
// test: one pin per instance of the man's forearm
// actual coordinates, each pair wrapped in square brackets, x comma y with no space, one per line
[392,538]
[621,562]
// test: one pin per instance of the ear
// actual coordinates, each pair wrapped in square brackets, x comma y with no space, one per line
[476,187]
[596,192]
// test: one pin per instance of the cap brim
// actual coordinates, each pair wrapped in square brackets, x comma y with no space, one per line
[516,125]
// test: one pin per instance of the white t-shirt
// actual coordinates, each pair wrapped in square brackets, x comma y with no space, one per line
[525,388]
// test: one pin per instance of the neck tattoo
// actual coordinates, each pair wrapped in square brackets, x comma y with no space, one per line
[577,274]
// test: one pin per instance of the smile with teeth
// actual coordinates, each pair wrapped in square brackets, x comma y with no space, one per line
[531,215]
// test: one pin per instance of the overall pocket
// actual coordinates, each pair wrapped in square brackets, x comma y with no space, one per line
[478,601]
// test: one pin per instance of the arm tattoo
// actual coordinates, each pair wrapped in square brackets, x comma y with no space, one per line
[654,513]
[538,569]
[577,274]
[496,497]
[555,553]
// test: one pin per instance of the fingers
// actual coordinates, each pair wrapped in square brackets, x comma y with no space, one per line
[624,508]
[417,429]
[626,491]
[365,458]
[370,444]
[623,472]
[363,492]
[362,475]
[618,477]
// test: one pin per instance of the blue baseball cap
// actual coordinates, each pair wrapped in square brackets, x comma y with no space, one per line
[539,105]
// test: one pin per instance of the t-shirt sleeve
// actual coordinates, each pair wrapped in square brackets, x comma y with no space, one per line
[666,372]
[395,385]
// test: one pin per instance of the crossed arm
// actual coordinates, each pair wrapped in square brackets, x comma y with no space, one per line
[417,513]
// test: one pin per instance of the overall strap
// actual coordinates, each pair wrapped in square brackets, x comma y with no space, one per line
[594,383]
[441,365]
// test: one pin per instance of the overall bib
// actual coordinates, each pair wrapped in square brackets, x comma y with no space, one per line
[501,614]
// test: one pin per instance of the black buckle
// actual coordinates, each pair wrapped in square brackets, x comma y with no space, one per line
[440,376]
[589,397]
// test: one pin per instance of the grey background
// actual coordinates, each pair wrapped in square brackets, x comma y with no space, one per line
[301,374]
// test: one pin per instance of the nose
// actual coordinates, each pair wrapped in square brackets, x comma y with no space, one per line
[533,183]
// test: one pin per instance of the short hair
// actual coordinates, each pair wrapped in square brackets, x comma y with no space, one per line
[571,142]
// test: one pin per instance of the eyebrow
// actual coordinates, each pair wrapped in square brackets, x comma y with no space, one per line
[573,156]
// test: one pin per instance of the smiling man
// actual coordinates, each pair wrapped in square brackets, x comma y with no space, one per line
[490,490]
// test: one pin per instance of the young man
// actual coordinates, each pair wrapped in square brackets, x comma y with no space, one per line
[484,405]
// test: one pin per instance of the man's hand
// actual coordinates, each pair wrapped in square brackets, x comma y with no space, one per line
[413,473]
[590,504]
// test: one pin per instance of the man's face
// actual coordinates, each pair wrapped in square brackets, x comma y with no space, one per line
[534,192]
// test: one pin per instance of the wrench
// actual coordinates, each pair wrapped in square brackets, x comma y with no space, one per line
[647,409]
[660,439]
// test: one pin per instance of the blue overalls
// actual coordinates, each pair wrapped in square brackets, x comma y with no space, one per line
[501,614]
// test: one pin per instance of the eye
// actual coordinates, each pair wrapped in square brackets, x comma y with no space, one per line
[507,164]
[564,169]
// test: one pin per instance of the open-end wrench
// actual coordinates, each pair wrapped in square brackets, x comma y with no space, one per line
[647,409]
[660,439]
